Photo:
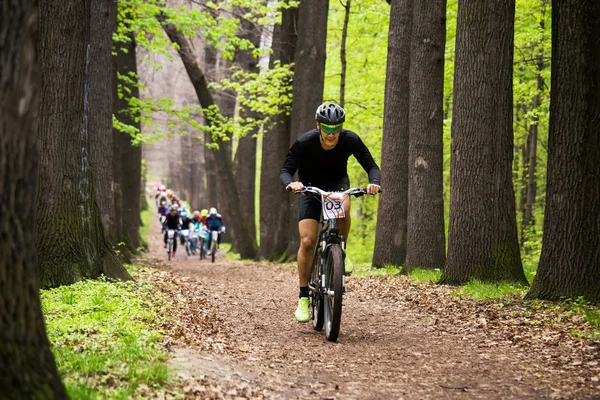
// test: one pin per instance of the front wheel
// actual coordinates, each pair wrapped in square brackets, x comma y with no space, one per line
[213,250]
[202,249]
[334,280]
[170,249]
[316,297]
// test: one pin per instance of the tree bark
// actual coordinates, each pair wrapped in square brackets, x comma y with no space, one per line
[28,370]
[309,77]
[274,203]
[482,238]
[570,260]
[102,24]
[343,52]
[391,230]
[72,243]
[128,158]
[245,156]
[426,244]
[247,244]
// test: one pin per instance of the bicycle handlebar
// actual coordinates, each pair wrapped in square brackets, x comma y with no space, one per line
[356,192]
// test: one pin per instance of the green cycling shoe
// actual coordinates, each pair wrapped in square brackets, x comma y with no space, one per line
[303,311]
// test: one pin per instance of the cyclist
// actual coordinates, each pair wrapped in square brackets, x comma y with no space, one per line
[186,222]
[172,222]
[213,222]
[321,158]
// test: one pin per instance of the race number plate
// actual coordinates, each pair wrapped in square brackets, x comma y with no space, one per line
[171,233]
[333,206]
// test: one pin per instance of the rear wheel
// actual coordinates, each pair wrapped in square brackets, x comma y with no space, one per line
[335,288]
[316,297]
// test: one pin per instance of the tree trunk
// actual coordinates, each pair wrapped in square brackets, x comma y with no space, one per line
[570,260]
[128,158]
[309,77]
[102,21]
[274,203]
[426,244]
[390,233]
[210,56]
[528,218]
[482,239]
[343,52]
[245,156]
[247,244]
[28,370]
[72,243]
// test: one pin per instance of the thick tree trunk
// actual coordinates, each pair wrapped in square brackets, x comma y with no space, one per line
[390,233]
[72,243]
[570,260]
[247,244]
[274,203]
[309,77]
[482,239]
[426,244]
[27,370]
[102,21]
[128,158]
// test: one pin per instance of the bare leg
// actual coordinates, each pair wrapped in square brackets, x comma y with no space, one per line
[308,239]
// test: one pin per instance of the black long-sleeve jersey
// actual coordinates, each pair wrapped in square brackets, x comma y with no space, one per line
[173,221]
[319,167]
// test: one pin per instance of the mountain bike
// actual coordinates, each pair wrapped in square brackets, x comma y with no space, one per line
[202,243]
[171,237]
[327,280]
[213,244]
[185,234]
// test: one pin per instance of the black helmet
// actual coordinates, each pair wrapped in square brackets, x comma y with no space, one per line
[330,113]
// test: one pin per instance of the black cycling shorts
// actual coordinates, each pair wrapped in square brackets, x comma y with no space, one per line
[309,207]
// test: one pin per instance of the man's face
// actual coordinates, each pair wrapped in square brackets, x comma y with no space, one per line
[330,134]
[173,212]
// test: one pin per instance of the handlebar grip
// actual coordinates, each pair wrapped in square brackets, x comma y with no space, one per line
[288,188]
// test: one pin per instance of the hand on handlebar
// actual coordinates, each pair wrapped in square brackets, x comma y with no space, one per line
[295,187]
[372,188]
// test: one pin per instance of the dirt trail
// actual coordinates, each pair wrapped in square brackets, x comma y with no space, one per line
[390,345]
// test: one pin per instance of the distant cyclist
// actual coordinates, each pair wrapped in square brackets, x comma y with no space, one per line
[321,158]
[213,222]
[173,222]
[187,223]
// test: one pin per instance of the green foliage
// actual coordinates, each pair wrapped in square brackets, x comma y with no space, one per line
[267,94]
[106,337]
[148,217]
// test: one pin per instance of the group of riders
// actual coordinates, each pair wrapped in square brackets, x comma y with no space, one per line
[198,226]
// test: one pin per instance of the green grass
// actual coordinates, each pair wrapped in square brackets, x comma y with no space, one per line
[478,290]
[147,217]
[106,337]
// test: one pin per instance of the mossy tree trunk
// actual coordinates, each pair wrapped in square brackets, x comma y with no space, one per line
[27,370]
[570,260]
[482,237]
[71,240]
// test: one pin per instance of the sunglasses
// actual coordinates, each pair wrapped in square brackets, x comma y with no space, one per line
[331,129]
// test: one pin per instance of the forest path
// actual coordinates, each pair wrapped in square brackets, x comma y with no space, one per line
[395,341]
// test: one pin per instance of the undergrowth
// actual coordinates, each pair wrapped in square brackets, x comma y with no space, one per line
[106,337]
